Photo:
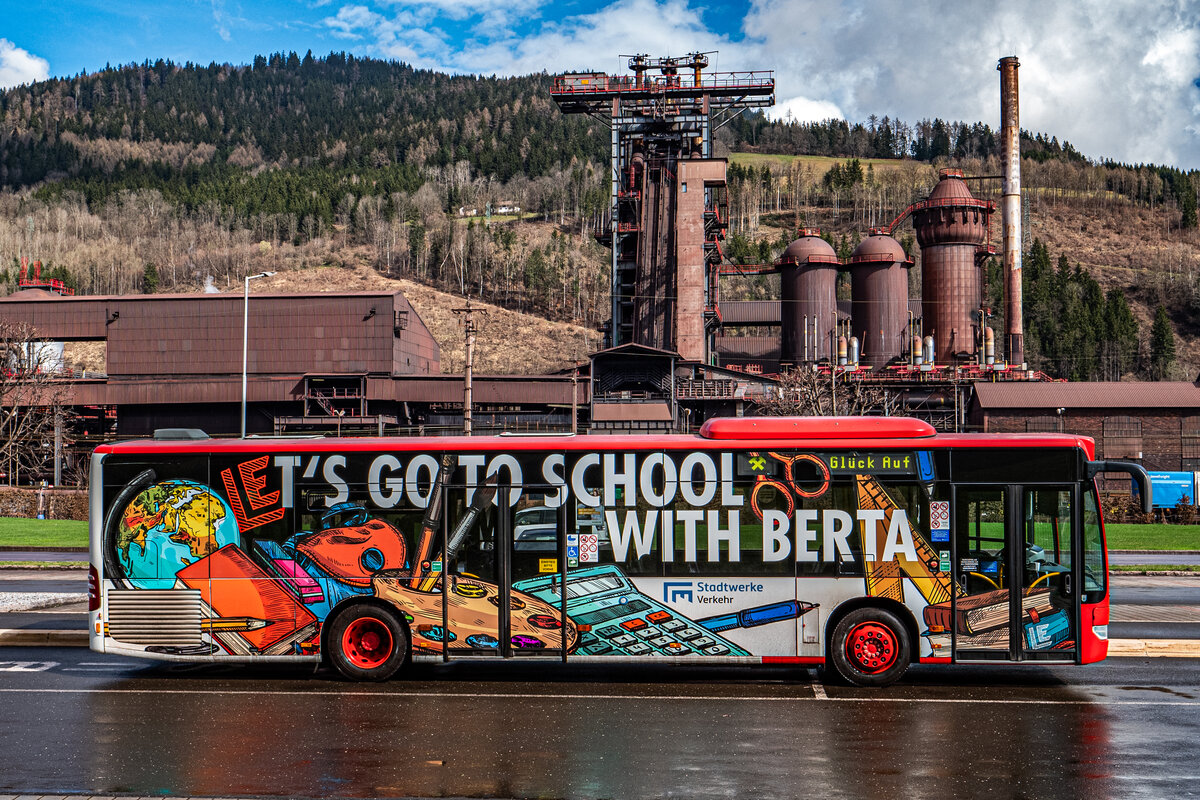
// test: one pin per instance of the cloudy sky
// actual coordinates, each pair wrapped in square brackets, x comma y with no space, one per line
[1117,78]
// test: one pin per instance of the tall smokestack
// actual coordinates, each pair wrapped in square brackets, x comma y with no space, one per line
[1010,134]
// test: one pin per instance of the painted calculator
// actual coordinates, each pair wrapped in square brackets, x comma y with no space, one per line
[616,619]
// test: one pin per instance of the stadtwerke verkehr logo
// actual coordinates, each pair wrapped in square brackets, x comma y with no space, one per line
[678,591]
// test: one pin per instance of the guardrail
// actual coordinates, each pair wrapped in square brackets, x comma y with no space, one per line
[609,84]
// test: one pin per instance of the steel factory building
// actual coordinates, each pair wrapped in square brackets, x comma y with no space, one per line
[354,363]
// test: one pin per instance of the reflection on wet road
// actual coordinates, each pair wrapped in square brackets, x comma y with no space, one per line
[1127,728]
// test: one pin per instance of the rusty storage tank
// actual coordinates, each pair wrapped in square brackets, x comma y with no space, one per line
[952,227]
[808,272]
[879,297]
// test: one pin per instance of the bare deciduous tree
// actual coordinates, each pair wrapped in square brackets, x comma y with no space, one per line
[31,400]
[809,393]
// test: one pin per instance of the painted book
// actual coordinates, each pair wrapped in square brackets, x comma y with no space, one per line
[246,610]
[982,612]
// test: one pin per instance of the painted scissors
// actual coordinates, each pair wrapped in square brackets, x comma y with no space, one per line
[788,487]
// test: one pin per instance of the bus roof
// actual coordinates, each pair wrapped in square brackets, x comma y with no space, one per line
[749,433]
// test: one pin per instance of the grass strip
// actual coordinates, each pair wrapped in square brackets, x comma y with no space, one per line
[1155,536]
[24,532]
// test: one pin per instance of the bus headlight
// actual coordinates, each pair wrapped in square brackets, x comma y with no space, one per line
[1101,632]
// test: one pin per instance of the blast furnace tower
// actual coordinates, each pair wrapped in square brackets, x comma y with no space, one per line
[667,213]
[808,271]
[952,229]
[879,297]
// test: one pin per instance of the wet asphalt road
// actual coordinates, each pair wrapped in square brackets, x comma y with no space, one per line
[72,721]
[88,723]
[43,580]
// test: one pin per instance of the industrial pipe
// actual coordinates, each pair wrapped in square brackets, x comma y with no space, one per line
[1010,136]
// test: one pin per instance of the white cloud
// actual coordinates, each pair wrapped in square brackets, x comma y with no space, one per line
[403,37]
[1116,78]
[221,20]
[804,109]
[594,40]
[1113,77]
[19,66]
[464,9]
[589,41]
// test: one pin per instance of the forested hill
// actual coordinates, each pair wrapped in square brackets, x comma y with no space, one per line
[298,135]
[328,125]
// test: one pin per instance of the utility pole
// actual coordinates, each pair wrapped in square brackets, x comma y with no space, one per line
[833,365]
[575,398]
[469,330]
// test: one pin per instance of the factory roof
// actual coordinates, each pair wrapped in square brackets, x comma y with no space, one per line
[950,187]
[879,248]
[809,248]
[1114,395]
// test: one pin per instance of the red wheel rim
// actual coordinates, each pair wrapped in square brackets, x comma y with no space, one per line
[367,643]
[872,647]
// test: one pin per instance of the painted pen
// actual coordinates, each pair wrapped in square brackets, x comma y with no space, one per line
[758,615]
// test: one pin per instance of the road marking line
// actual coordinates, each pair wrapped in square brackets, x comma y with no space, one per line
[818,689]
[27,666]
[392,696]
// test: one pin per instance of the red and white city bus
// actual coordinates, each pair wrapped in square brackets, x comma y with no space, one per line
[864,544]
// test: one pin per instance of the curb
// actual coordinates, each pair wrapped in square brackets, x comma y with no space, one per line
[1153,552]
[1154,648]
[36,637]
[17,548]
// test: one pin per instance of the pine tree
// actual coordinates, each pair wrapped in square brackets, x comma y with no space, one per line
[150,279]
[1162,345]
[1120,335]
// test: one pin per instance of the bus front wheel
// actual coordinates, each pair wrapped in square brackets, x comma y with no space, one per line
[870,647]
[367,643]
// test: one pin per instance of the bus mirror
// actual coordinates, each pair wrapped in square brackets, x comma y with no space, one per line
[1136,471]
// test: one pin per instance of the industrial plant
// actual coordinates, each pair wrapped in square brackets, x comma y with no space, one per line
[668,222]
[676,352]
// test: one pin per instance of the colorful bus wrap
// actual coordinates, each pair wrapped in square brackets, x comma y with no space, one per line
[865,544]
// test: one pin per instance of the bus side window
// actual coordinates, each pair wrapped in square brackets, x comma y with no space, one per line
[1047,541]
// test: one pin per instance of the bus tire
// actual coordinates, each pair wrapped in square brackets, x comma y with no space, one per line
[367,643]
[870,647]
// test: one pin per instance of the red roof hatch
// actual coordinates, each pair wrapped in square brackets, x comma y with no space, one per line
[816,428]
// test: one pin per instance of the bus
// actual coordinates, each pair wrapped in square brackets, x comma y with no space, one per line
[862,545]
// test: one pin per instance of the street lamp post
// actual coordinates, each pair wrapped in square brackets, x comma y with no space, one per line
[246,339]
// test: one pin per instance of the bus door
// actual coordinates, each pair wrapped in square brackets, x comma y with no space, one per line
[503,543]
[1013,568]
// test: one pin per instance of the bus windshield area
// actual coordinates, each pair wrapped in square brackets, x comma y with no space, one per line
[1095,571]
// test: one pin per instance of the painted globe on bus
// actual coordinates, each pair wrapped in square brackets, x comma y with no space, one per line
[168,526]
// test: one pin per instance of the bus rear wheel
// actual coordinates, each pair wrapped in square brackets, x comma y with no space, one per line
[367,643]
[870,647]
